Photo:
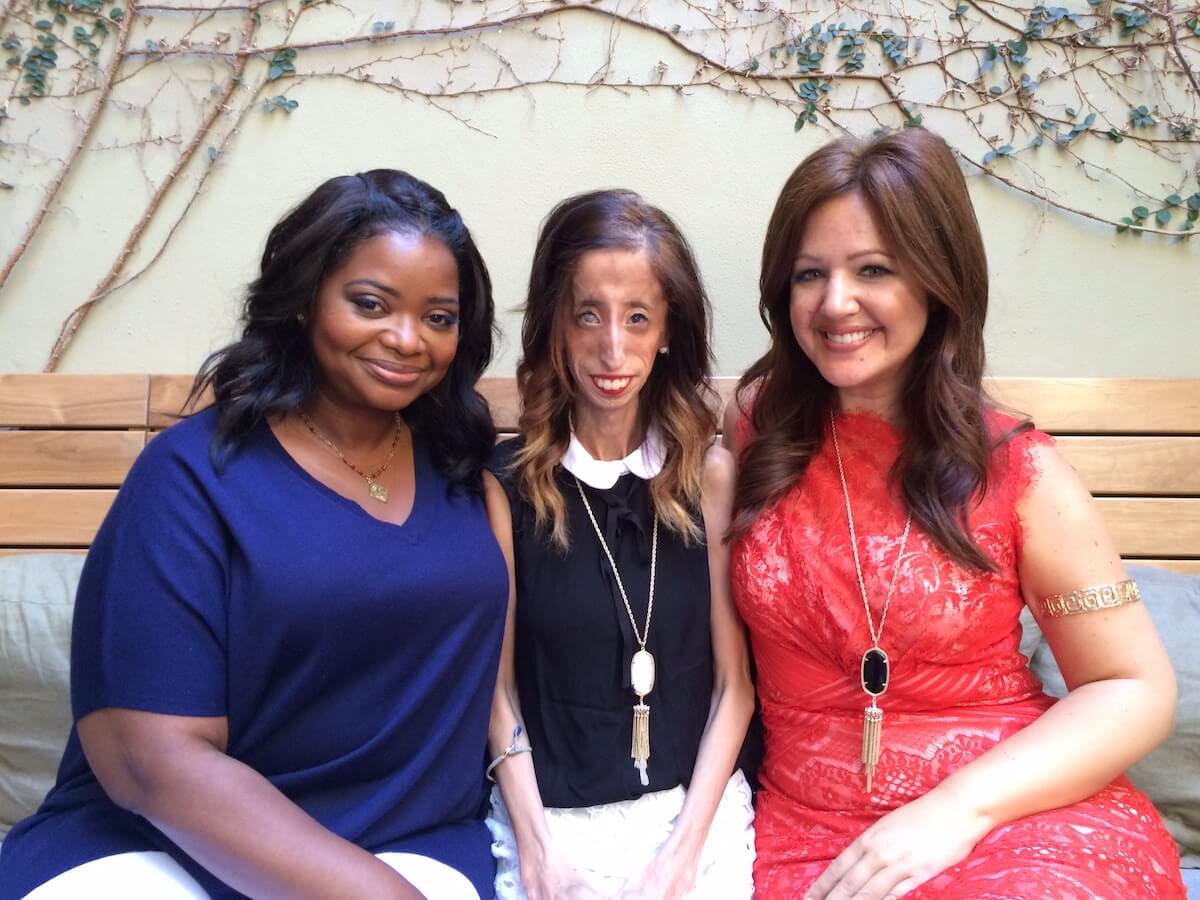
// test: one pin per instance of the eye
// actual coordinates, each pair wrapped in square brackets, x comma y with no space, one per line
[638,318]
[587,317]
[806,275]
[442,319]
[875,271]
[367,303]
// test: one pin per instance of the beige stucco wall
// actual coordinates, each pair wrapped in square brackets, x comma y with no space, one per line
[1068,297]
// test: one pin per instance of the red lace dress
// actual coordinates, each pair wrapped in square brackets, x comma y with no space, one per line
[958,686]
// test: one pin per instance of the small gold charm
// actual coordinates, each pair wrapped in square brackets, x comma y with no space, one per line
[378,491]
[872,726]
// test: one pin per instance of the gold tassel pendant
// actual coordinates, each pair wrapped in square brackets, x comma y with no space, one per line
[640,749]
[872,727]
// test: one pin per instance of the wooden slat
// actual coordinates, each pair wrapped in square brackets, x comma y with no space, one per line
[52,518]
[1186,566]
[77,458]
[1153,527]
[1135,465]
[1089,405]
[22,551]
[501,395]
[75,401]
[168,393]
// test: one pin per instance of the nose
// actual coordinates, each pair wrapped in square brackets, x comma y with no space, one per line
[612,347]
[838,299]
[403,335]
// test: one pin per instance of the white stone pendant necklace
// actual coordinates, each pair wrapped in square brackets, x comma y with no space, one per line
[641,666]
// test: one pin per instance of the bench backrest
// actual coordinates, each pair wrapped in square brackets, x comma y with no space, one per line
[66,442]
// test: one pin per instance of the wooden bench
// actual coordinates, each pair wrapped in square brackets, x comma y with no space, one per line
[66,442]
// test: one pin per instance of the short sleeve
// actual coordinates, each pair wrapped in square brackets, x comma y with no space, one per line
[1015,470]
[150,614]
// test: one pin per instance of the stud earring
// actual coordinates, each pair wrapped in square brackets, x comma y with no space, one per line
[301,319]
[663,351]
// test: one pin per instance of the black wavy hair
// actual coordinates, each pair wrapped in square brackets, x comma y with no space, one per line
[271,370]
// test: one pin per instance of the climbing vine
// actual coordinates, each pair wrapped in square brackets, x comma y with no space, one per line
[1023,92]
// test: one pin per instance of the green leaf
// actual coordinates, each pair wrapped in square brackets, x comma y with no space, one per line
[1114,136]
[1071,112]
[1193,215]
[799,123]
[996,91]
[1174,200]
[1163,216]
[1193,201]
[866,26]
[43,24]
[1140,212]
[116,14]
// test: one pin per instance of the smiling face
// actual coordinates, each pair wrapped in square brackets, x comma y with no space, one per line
[385,324]
[856,311]
[617,323]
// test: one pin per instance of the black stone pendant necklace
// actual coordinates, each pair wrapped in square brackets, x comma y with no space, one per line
[875,668]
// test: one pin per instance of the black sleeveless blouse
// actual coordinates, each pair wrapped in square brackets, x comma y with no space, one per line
[574,642]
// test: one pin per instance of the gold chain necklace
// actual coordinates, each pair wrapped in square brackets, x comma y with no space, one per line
[641,666]
[376,490]
[875,668]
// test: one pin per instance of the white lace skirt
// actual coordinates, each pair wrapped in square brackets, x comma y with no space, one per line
[609,843]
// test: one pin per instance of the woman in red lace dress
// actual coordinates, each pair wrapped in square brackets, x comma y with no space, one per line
[889,527]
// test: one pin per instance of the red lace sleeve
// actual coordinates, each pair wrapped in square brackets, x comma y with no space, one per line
[1014,467]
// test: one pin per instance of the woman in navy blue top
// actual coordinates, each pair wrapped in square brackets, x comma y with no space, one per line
[281,669]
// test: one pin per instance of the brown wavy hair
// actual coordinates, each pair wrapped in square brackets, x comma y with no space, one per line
[912,182]
[676,398]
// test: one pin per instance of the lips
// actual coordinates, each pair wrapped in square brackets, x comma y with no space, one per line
[392,374]
[848,338]
[612,385]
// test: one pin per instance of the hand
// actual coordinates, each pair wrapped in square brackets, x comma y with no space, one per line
[555,879]
[669,876]
[902,850]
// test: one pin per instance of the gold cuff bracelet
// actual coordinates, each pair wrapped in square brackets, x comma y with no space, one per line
[1090,599]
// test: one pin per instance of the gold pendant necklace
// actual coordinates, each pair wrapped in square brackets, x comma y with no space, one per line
[875,668]
[641,666]
[374,488]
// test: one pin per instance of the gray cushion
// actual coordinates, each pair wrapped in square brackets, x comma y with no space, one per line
[37,595]
[1170,776]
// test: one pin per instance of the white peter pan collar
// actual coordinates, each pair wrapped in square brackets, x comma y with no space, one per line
[645,462]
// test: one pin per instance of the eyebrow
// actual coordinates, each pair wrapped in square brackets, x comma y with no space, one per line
[594,301]
[860,253]
[384,289]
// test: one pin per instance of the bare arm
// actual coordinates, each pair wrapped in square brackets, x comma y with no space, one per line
[1122,687]
[732,704]
[543,871]
[174,771]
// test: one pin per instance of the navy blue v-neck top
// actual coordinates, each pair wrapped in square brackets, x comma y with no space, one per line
[354,659]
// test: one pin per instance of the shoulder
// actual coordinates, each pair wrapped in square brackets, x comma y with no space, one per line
[717,483]
[719,471]
[501,463]
[183,447]
[735,421]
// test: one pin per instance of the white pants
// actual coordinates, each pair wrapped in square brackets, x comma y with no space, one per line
[156,876]
[608,844]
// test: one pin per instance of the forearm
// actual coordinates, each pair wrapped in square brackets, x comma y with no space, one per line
[1072,751]
[517,779]
[729,716]
[238,826]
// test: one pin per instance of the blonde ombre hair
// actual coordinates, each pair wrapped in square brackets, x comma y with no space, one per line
[676,400]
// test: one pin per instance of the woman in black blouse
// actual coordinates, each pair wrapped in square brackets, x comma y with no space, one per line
[625,668]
